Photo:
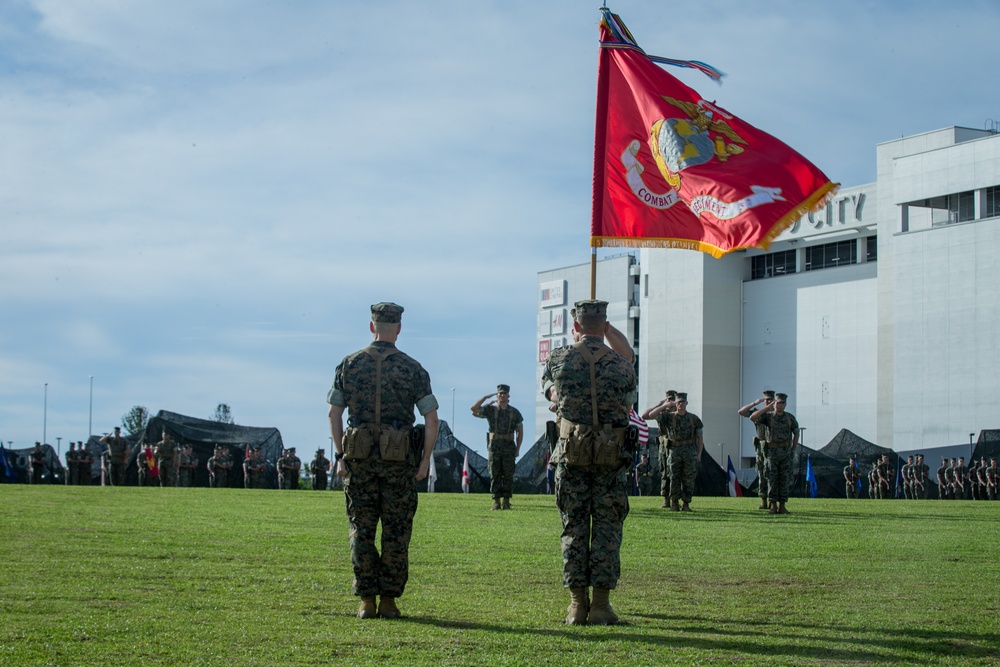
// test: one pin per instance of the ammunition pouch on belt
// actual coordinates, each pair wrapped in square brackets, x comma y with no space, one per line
[358,441]
[589,446]
[393,443]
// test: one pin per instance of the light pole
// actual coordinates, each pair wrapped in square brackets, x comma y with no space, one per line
[971,436]
[802,435]
[45,412]
[58,446]
[90,419]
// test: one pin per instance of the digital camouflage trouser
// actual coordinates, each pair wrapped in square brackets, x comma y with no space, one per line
[682,462]
[593,505]
[501,465]
[375,491]
[778,472]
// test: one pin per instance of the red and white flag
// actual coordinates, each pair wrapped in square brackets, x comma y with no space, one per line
[674,170]
[432,475]
[465,474]
[735,490]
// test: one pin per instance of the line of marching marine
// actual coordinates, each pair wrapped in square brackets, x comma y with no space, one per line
[955,480]
[170,463]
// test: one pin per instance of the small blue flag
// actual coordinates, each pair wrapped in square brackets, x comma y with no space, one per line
[811,479]
[9,472]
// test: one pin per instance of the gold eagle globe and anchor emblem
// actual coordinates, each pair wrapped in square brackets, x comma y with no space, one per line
[679,143]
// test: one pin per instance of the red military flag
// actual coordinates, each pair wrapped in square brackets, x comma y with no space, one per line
[674,170]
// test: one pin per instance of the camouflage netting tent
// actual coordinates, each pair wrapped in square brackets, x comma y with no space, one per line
[20,462]
[203,435]
[843,445]
[530,471]
[449,457]
[988,445]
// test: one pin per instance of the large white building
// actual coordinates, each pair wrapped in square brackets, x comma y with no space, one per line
[879,314]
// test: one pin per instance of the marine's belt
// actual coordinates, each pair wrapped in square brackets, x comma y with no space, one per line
[680,443]
[506,436]
[566,427]
[783,443]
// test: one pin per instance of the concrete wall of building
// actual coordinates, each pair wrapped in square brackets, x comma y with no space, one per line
[946,306]
[812,335]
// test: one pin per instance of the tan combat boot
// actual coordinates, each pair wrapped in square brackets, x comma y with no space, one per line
[675,506]
[772,507]
[781,509]
[666,502]
[387,607]
[601,612]
[579,605]
[763,503]
[506,504]
[496,504]
[367,607]
[686,508]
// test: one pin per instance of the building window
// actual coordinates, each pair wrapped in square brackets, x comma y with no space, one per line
[871,254]
[991,209]
[950,209]
[772,264]
[840,253]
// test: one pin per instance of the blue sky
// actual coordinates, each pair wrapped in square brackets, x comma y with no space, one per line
[199,201]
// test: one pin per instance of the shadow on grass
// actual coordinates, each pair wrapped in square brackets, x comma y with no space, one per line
[669,638]
[877,645]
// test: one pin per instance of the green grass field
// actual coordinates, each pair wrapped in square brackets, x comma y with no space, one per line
[132,576]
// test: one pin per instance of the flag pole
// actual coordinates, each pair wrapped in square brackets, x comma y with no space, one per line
[593,273]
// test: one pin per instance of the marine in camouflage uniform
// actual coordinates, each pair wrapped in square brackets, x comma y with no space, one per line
[884,473]
[319,469]
[378,387]
[288,470]
[37,463]
[72,468]
[85,465]
[590,457]
[760,435]
[219,466]
[972,480]
[851,476]
[681,434]
[942,479]
[992,477]
[644,476]
[255,470]
[506,431]
[907,474]
[165,452]
[779,450]
[186,465]
[959,476]
[117,453]
[921,478]
[666,404]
